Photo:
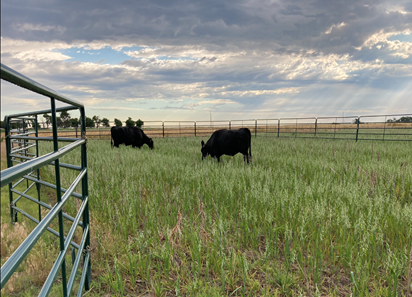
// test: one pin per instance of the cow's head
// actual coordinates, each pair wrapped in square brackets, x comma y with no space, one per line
[150,143]
[204,150]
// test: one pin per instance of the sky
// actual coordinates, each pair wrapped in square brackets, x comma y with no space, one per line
[192,60]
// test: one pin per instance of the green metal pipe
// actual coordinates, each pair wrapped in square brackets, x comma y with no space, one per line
[9,165]
[77,262]
[21,118]
[17,183]
[75,245]
[38,170]
[21,194]
[84,274]
[61,258]
[22,149]
[66,139]
[22,134]
[77,195]
[20,142]
[58,194]
[41,112]
[13,173]
[85,194]
[69,166]
[40,203]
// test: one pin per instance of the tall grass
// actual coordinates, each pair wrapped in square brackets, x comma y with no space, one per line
[306,217]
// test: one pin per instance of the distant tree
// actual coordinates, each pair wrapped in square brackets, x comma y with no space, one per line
[357,121]
[405,120]
[117,122]
[59,122]
[97,120]
[74,122]
[139,123]
[130,122]
[48,119]
[65,119]
[105,122]
[1,124]
[89,123]
[400,120]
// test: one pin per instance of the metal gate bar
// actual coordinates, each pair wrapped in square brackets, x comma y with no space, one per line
[19,142]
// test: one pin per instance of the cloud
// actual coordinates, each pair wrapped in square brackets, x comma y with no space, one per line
[335,26]
[33,27]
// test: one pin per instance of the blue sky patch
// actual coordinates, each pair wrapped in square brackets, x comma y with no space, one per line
[401,38]
[108,55]
[105,55]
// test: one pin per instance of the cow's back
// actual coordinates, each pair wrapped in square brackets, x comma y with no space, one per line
[229,142]
[126,135]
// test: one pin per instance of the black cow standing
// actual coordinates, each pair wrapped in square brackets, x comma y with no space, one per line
[133,136]
[228,142]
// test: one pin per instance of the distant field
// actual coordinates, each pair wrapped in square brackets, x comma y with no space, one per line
[319,216]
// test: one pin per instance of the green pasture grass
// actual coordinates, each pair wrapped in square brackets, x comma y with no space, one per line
[307,216]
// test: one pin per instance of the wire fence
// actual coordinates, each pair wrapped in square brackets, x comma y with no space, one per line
[371,127]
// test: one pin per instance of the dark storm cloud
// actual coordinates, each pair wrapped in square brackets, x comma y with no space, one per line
[302,23]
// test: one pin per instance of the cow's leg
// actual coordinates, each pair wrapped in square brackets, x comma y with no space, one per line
[218,159]
[246,158]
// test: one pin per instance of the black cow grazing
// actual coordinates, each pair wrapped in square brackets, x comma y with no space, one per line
[228,142]
[133,136]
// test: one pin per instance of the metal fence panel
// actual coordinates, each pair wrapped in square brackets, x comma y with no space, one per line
[20,144]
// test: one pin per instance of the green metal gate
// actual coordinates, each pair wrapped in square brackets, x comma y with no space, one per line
[24,165]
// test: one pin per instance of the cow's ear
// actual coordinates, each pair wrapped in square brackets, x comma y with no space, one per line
[203,143]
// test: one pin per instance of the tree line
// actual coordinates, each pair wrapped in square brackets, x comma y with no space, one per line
[66,121]
[400,120]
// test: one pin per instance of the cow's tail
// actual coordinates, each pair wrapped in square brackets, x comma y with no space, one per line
[250,145]
[111,136]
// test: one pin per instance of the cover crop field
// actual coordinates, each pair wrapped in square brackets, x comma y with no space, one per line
[305,218]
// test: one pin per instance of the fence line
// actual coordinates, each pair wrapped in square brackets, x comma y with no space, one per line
[371,127]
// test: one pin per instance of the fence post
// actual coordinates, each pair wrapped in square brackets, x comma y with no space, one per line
[230,125]
[85,194]
[163,127]
[25,144]
[316,126]
[58,192]
[357,128]
[255,128]
[384,129]
[195,128]
[278,127]
[296,129]
[9,145]
[38,170]
[76,131]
